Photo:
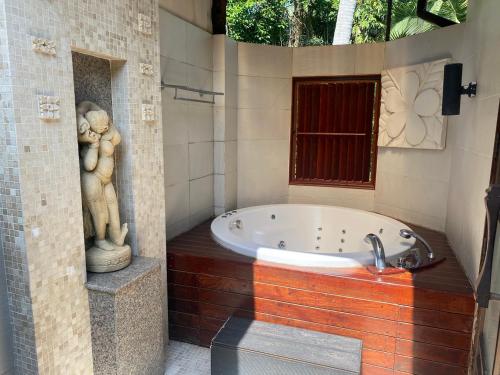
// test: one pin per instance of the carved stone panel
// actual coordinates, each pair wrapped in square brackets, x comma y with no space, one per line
[48,107]
[148,112]
[146,69]
[410,110]
[145,26]
[45,46]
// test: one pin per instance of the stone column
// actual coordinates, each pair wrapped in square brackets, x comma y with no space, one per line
[40,199]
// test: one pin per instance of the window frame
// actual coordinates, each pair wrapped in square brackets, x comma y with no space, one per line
[370,185]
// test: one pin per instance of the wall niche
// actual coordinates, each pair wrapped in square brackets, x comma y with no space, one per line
[92,78]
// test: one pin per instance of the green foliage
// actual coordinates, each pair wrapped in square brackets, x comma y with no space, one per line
[258,21]
[270,21]
[405,21]
[369,21]
[318,25]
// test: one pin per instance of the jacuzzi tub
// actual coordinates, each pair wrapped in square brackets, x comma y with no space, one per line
[308,235]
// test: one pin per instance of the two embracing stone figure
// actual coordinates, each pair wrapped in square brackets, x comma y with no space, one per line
[97,138]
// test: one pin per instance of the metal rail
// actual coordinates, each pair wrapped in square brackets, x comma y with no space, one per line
[201,92]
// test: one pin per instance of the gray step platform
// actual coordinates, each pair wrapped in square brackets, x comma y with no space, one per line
[249,347]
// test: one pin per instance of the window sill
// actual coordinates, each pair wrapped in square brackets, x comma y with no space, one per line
[336,184]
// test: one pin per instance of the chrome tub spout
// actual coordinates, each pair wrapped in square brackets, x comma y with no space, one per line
[378,250]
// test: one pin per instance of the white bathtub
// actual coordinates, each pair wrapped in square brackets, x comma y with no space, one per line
[308,235]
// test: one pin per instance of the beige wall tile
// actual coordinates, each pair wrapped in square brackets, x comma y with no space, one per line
[197,12]
[262,124]
[176,164]
[264,92]
[201,159]
[177,203]
[324,61]
[264,61]
[201,199]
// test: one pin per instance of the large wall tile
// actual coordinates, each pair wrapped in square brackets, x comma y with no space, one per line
[262,124]
[199,47]
[369,58]
[432,45]
[175,121]
[324,61]
[201,128]
[173,39]
[264,61]
[264,92]
[354,198]
[176,164]
[201,199]
[173,72]
[197,12]
[201,159]
[177,203]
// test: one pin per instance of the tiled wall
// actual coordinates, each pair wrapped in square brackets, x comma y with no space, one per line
[225,63]
[41,221]
[472,134]
[411,184]
[6,354]
[196,12]
[188,128]
[264,110]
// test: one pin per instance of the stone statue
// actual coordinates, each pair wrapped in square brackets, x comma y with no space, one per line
[98,138]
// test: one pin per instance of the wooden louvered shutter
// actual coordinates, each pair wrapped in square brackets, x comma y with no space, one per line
[334,131]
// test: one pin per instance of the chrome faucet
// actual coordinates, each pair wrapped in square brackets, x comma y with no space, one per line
[378,250]
[405,233]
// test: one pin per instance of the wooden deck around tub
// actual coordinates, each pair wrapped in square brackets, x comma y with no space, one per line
[410,323]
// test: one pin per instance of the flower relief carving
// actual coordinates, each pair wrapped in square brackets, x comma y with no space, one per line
[410,110]
[48,107]
[145,26]
[146,69]
[148,112]
[44,46]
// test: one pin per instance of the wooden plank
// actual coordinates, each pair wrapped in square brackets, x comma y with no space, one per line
[432,352]
[434,336]
[422,367]
[408,323]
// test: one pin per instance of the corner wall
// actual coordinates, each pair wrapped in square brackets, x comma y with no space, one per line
[188,128]
[412,185]
[196,12]
[473,135]
[264,115]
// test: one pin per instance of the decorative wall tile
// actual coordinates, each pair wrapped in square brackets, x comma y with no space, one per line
[48,107]
[45,46]
[148,112]
[145,26]
[410,111]
[146,69]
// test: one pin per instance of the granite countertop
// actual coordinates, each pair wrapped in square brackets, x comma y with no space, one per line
[113,282]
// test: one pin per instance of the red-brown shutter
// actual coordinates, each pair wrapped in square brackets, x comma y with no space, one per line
[334,131]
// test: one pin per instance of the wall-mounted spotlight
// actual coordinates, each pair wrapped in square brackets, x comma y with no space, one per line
[453,89]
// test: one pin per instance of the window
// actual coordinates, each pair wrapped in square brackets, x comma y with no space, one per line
[334,131]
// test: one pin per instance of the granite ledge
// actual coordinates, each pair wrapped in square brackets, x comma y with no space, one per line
[114,282]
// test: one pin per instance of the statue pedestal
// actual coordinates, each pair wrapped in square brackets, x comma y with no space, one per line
[127,319]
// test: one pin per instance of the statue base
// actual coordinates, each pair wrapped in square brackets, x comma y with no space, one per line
[101,261]
[126,319]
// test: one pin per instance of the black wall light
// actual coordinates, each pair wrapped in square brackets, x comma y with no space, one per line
[453,89]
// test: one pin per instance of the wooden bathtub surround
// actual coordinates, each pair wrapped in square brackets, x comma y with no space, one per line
[418,323]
